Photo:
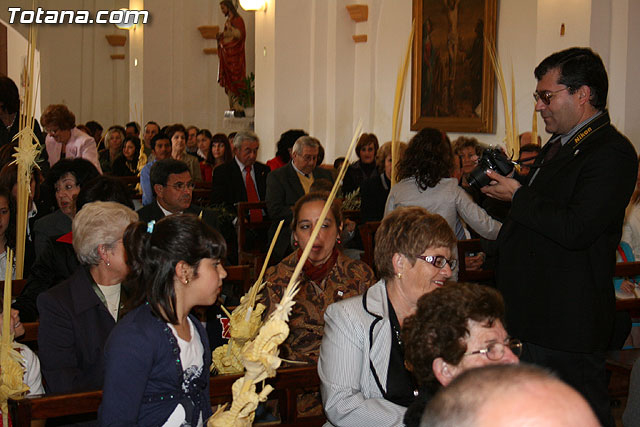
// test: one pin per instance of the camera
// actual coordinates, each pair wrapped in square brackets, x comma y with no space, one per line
[494,159]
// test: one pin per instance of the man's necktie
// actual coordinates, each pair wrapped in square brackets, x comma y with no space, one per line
[255,215]
[554,147]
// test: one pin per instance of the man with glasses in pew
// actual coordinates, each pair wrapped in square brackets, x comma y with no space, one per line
[556,250]
[173,188]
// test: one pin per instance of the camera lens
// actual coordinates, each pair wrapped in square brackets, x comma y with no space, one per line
[478,177]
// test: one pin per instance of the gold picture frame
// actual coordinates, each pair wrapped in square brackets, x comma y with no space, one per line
[458,98]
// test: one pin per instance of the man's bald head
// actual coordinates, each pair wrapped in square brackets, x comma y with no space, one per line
[508,395]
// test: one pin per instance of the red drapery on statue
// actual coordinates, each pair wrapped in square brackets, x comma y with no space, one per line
[232,69]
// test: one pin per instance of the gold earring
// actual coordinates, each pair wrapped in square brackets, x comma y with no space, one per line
[399,275]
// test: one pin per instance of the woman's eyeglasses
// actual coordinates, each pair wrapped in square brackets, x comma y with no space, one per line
[495,350]
[439,261]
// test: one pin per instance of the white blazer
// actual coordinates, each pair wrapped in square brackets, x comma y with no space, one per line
[355,349]
[79,145]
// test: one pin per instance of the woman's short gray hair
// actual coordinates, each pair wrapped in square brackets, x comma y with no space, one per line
[99,223]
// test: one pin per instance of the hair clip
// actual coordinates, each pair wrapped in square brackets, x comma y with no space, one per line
[150,226]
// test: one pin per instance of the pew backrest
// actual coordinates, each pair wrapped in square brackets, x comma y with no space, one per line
[287,384]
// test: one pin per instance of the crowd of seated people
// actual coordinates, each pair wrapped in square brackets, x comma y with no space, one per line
[379,340]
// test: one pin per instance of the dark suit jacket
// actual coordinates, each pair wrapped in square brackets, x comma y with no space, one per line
[373,195]
[283,191]
[229,188]
[153,212]
[74,326]
[56,263]
[557,248]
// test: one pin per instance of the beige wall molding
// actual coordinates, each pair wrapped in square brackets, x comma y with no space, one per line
[209,32]
[358,12]
[359,38]
[116,39]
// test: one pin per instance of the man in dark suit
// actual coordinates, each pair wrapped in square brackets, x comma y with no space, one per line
[287,184]
[557,248]
[173,186]
[230,181]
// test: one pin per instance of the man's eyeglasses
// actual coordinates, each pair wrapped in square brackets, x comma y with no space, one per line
[495,350]
[546,95]
[180,186]
[439,261]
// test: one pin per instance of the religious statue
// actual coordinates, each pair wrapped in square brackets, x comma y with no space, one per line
[232,69]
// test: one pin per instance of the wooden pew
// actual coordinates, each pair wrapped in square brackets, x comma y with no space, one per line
[30,333]
[367,234]
[256,255]
[240,274]
[16,287]
[287,385]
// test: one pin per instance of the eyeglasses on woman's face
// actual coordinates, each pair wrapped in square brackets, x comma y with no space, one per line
[439,261]
[495,350]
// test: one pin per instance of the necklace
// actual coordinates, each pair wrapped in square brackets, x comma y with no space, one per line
[397,335]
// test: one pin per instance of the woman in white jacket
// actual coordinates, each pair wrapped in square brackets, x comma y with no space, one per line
[364,381]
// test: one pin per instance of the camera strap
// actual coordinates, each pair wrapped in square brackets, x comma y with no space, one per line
[579,137]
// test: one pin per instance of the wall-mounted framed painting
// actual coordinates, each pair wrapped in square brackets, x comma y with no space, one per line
[452,78]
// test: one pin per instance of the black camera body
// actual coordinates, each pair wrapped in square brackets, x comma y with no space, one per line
[494,159]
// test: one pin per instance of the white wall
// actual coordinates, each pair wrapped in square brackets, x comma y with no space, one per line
[180,81]
[310,73]
[351,82]
[174,81]
[76,66]
[632,105]
[265,66]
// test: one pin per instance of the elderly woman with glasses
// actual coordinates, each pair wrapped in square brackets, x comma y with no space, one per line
[455,328]
[77,315]
[64,140]
[362,370]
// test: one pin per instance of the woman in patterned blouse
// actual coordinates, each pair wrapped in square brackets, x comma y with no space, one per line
[327,276]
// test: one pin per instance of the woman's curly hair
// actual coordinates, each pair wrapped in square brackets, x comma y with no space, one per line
[428,158]
[440,326]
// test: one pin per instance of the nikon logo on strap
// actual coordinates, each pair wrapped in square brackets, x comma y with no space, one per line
[590,128]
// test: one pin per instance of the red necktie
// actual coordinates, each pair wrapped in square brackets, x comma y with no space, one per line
[255,215]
